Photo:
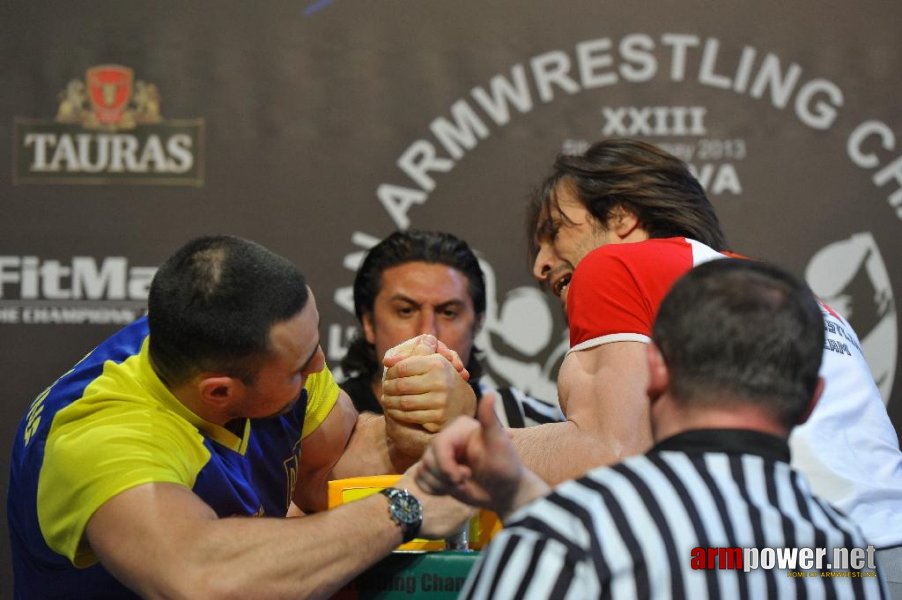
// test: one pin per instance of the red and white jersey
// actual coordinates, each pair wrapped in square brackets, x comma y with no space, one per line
[616,289]
[847,449]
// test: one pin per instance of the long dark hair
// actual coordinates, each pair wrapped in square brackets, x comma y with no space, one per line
[652,184]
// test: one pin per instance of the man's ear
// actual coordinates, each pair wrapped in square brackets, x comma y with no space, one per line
[220,391]
[622,222]
[818,390]
[658,375]
[369,331]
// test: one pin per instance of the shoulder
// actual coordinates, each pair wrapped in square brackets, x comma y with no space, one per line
[321,386]
[639,259]
[322,395]
[634,265]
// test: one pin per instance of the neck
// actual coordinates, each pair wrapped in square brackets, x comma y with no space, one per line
[669,417]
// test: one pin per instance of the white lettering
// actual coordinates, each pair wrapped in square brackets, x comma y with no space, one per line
[110,279]
[706,75]
[744,70]
[66,315]
[592,56]
[771,76]
[419,159]
[549,68]
[397,201]
[892,172]
[654,120]
[9,271]
[602,62]
[639,63]
[179,148]
[90,282]
[679,44]
[339,340]
[806,558]
[139,282]
[153,154]
[860,134]
[52,274]
[786,557]
[65,153]
[84,153]
[40,141]
[467,127]
[824,114]
[503,92]
[94,153]
[30,281]
[125,149]
[726,180]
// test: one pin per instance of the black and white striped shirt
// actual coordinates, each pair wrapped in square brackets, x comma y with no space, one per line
[631,530]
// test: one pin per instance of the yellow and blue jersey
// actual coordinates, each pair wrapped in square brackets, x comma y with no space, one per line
[110,424]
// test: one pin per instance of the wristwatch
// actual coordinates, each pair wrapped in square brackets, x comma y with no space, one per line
[405,510]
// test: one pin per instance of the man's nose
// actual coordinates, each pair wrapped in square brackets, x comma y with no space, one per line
[427,323]
[541,266]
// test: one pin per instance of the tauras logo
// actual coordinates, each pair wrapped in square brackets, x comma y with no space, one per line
[109,129]
[80,290]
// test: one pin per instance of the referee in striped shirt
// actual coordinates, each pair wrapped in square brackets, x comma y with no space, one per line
[704,514]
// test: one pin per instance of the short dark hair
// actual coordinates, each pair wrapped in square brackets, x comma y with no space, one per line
[399,248]
[213,303]
[652,184]
[742,330]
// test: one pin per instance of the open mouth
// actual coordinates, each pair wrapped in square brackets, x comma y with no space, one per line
[561,284]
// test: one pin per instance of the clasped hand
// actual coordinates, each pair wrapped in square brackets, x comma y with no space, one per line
[424,388]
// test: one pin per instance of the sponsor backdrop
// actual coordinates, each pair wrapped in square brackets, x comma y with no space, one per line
[317,127]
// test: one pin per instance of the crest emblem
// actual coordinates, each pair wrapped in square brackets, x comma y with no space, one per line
[109,88]
[109,98]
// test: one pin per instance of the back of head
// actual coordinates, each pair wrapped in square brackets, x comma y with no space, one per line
[212,305]
[652,184]
[742,331]
[402,247]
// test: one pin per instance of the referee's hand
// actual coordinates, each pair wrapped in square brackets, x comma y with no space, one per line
[476,462]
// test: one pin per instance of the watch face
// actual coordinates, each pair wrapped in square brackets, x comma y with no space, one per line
[408,508]
[405,510]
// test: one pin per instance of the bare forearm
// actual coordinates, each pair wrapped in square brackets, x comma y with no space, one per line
[370,451]
[560,451]
[367,452]
[326,550]
[245,557]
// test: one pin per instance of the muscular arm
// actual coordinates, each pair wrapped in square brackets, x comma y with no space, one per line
[163,541]
[602,391]
[347,444]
